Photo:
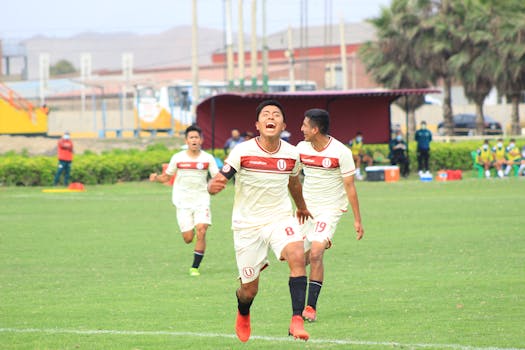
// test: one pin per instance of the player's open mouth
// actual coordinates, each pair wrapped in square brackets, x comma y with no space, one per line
[270,126]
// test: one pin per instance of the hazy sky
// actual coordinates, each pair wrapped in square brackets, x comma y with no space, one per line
[62,18]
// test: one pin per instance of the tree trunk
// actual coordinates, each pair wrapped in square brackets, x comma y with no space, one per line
[447,107]
[480,119]
[412,122]
[515,128]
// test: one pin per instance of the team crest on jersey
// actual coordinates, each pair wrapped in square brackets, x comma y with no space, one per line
[327,163]
[248,272]
[281,164]
[200,166]
[226,168]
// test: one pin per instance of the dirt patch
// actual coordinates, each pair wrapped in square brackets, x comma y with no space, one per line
[38,145]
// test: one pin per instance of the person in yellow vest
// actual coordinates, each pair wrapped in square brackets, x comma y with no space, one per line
[359,154]
[500,159]
[513,156]
[485,158]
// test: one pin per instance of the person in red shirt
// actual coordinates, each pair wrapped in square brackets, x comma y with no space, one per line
[65,158]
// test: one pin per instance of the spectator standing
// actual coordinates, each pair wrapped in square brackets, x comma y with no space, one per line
[423,138]
[398,153]
[233,141]
[358,154]
[328,188]
[190,195]
[266,168]
[65,158]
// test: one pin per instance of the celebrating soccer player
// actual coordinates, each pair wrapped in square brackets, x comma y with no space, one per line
[328,187]
[190,195]
[265,169]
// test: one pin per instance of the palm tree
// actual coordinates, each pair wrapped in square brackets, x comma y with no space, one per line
[509,28]
[436,44]
[390,59]
[475,63]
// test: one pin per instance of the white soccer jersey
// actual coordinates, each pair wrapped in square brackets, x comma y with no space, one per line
[261,183]
[324,172]
[190,188]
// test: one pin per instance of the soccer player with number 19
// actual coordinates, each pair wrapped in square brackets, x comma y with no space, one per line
[266,168]
[328,186]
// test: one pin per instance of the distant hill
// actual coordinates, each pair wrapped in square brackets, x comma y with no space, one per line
[172,48]
[166,49]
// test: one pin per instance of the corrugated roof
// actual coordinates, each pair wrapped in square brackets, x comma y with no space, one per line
[338,93]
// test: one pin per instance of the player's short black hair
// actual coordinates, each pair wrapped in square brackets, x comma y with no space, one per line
[319,118]
[269,103]
[193,127]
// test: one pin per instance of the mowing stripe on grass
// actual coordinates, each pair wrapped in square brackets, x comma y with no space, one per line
[219,335]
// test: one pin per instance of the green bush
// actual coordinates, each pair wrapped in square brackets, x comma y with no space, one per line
[134,165]
[454,155]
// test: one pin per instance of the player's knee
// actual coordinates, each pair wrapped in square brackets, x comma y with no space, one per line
[188,237]
[248,291]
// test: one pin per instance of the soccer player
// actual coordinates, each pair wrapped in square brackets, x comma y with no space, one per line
[266,168]
[190,195]
[328,187]
[423,138]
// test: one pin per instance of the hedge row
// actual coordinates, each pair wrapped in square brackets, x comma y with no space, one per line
[134,165]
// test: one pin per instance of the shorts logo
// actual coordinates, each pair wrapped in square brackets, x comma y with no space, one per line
[200,166]
[281,164]
[248,272]
[327,163]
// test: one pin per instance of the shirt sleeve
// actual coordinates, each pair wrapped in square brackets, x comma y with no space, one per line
[213,169]
[172,166]
[234,159]
[347,164]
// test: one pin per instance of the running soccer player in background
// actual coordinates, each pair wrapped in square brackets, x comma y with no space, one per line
[190,195]
[266,168]
[328,187]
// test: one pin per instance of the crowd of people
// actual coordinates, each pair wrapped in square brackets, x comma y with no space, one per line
[504,159]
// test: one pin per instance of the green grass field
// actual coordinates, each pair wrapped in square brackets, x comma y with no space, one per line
[442,266]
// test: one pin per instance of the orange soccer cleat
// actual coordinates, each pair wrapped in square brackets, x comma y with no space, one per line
[309,314]
[297,328]
[242,327]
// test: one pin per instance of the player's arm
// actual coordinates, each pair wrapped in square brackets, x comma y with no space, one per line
[218,182]
[296,191]
[162,178]
[351,193]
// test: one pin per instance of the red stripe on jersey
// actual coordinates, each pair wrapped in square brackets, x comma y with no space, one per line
[193,165]
[268,164]
[319,162]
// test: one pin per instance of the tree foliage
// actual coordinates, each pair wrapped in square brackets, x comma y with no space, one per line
[62,67]
[480,43]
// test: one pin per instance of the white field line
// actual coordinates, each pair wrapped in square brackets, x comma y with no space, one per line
[278,339]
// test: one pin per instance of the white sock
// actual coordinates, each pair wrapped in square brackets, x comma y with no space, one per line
[522,167]
[487,173]
[507,169]
[500,173]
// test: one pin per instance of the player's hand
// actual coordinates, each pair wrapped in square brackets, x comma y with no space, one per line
[217,184]
[153,177]
[303,215]
[359,230]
